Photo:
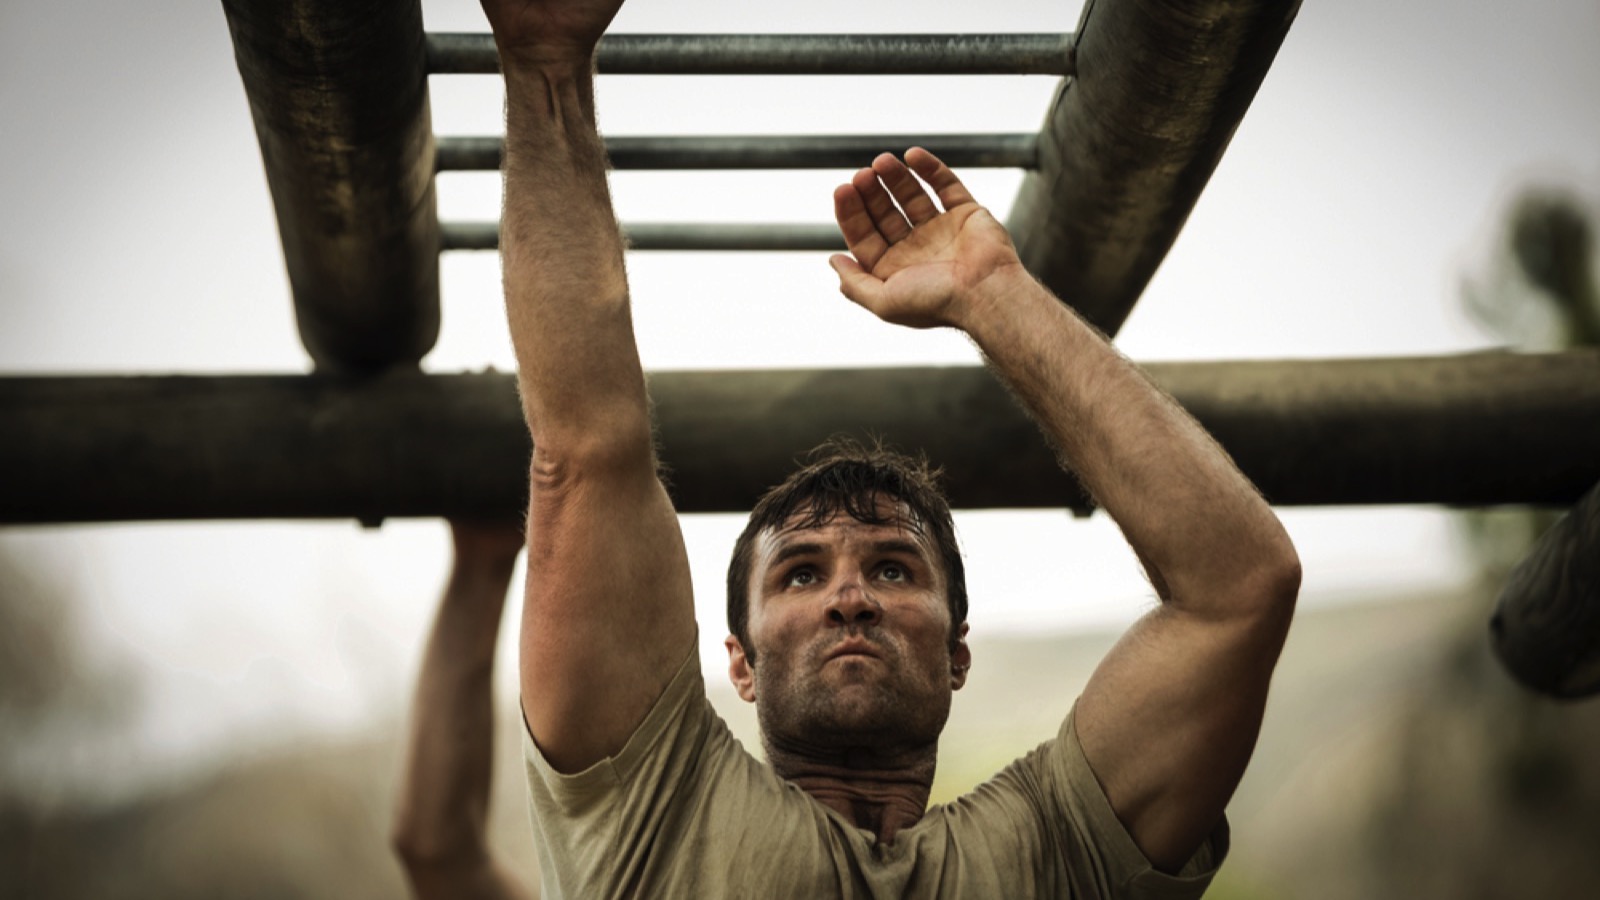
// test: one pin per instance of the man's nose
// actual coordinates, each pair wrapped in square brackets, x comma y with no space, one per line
[851,604]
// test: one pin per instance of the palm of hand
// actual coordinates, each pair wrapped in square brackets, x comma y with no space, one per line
[555,25]
[927,275]
[910,262]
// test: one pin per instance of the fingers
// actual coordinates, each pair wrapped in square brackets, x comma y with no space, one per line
[882,205]
[860,230]
[856,283]
[891,223]
[945,184]
[907,190]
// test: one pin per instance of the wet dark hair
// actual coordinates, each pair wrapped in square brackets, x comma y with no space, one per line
[846,476]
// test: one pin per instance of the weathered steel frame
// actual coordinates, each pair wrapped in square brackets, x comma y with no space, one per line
[787,54]
[339,95]
[1469,430]
[1152,92]
[1132,138]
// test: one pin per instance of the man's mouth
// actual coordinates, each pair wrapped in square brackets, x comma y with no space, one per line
[854,647]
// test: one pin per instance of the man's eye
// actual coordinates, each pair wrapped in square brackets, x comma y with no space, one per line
[893,572]
[800,578]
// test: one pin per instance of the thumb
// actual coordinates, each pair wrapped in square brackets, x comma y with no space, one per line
[857,284]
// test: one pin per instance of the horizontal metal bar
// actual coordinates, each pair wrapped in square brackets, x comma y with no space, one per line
[1466,430]
[788,54]
[774,151]
[673,236]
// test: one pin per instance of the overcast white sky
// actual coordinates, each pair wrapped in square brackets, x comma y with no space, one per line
[139,237]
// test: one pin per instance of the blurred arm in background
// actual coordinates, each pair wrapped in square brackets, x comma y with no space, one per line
[442,815]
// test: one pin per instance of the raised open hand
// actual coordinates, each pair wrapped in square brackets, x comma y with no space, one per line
[914,265]
[549,30]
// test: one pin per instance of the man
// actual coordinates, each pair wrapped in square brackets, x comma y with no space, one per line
[850,647]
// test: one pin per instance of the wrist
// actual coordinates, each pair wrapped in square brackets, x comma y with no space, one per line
[483,570]
[474,555]
[551,92]
[996,295]
[544,67]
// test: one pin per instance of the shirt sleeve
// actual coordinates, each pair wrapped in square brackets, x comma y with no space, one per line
[582,821]
[1109,858]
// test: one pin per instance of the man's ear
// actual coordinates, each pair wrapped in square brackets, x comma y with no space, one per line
[960,660]
[740,672]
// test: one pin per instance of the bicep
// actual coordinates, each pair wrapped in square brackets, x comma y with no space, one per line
[1169,720]
[609,613]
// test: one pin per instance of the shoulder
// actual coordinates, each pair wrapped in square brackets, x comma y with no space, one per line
[680,718]
[1047,813]
[680,811]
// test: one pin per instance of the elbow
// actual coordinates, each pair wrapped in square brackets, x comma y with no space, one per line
[597,442]
[424,852]
[432,841]
[1284,570]
[433,874]
[1274,585]
[563,463]
[1257,590]
[412,846]
[407,849]
[1257,584]
[1274,554]
[591,428]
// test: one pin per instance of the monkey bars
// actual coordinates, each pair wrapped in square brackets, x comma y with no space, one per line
[1132,138]
[339,97]
[787,54]
[673,236]
[1150,93]
[782,151]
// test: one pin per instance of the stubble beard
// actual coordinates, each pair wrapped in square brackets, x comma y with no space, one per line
[811,703]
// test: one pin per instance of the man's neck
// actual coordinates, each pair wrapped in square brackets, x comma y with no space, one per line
[882,794]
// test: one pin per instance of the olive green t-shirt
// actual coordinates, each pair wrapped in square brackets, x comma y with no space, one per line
[684,811]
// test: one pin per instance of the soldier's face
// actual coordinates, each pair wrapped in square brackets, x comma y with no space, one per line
[851,632]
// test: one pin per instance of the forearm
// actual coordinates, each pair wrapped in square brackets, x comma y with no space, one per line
[442,815]
[1208,540]
[609,612]
[1168,720]
[566,287]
